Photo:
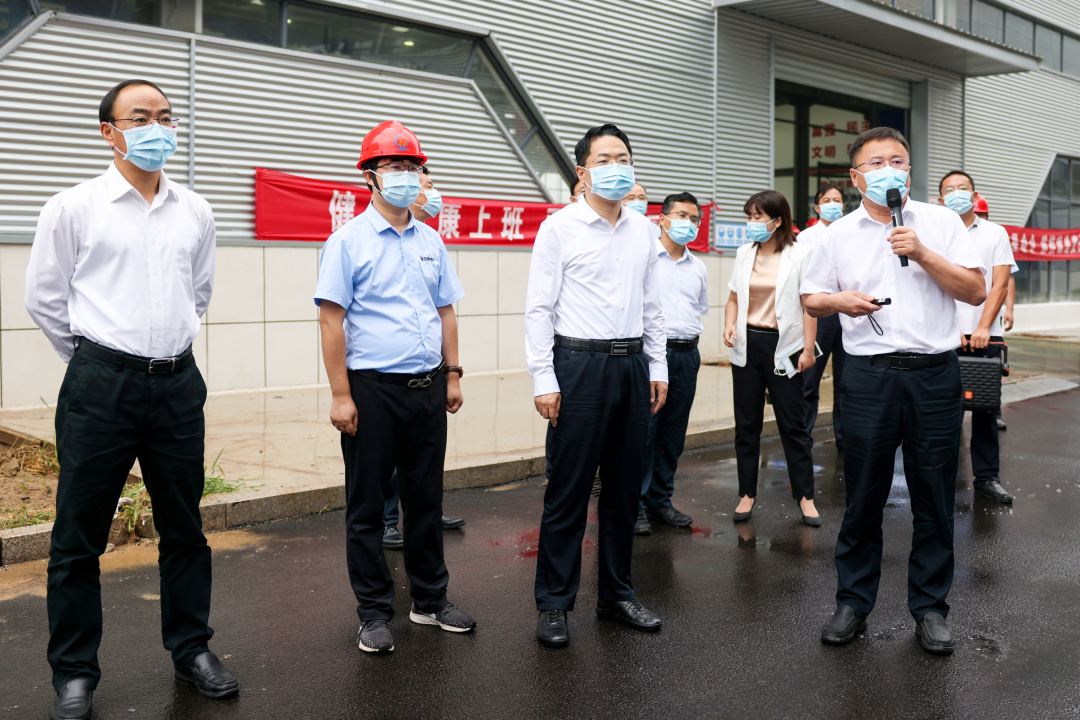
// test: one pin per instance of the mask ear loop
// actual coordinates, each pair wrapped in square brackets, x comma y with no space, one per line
[874,324]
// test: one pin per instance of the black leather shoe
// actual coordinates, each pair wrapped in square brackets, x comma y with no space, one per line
[934,634]
[669,516]
[842,626]
[743,517]
[452,523]
[993,490]
[211,677]
[392,539]
[551,628]
[641,525]
[630,612]
[74,700]
[811,521]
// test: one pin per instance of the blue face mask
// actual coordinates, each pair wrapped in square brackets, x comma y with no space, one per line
[831,211]
[400,189]
[959,201]
[434,202]
[638,206]
[879,182]
[681,231]
[758,231]
[612,181]
[149,147]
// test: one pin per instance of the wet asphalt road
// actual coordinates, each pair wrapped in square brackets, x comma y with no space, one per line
[742,607]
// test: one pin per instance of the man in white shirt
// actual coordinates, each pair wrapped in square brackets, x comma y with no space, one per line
[829,206]
[120,272]
[684,297]
[901,381]
[980,326]
[594,343]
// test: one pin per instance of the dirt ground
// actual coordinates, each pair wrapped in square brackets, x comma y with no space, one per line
[28,476]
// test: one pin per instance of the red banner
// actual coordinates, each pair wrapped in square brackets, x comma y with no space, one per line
[1039,244]
[289,207]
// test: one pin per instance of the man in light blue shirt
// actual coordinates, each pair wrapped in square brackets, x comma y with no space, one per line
[389,338]
[684,298]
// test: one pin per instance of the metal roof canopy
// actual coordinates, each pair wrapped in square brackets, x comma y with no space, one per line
[886,29]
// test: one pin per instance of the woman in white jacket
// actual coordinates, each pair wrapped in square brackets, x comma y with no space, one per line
[772,342]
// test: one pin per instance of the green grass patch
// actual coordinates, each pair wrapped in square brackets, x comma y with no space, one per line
[23,516]
[214,480]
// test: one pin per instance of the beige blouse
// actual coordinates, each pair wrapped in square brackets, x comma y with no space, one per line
[761,308]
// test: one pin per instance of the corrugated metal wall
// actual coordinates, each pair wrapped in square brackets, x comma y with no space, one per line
[308,117]
[647,67]
[295,113]
[1062,13]
[1016,124]
[49,96]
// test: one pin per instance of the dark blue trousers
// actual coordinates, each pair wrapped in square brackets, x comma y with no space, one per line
[602,423]
[830,338]
[920,409]
[667,429]
[985,443]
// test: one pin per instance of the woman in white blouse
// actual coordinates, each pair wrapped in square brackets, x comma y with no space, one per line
[772,342]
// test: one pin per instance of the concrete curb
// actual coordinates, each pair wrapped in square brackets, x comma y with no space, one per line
[224,512]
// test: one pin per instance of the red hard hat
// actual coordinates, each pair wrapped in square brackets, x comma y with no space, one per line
[391,139]
[981,205]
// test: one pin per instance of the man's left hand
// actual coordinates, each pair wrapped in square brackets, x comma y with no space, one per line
[454,398]
[657,395]
[906,242]
[806,359]
[980,338]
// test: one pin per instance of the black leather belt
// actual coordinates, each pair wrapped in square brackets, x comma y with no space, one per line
[154,366]
[675,344]
[626,346]
[409,380]
[910,361]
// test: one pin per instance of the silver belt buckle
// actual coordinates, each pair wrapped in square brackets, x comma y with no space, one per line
[168,365]
[620,348]
[419,382]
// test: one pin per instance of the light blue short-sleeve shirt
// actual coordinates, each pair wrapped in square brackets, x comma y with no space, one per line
[391,286]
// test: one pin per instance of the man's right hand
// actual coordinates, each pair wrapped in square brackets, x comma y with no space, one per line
[854,303]
[343,414]
[548,406]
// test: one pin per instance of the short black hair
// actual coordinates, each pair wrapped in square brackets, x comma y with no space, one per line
[949,174]
[775,205]
[105,109]
[584,145]
[670,200]
[423,169]
[826,188]
[878,133]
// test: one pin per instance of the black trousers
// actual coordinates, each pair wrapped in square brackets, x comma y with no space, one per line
[106,418]
[830,338]
[602,424]
[985,446]
[403,428]
[667,429]
[749,385]
[885,408]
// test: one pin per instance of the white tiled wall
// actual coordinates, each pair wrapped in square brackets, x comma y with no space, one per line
[261,329]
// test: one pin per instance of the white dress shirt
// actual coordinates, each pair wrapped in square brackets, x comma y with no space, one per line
[812,235]
[855,254]
[794,259]
[593,281]
[130,275]
[684,293]
[992,244]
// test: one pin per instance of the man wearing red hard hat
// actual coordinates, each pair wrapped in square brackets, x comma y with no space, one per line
[389,338]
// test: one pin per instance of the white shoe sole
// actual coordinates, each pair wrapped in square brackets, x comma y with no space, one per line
[422,619]
[360,644]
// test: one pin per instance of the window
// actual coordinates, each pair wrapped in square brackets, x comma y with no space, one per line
[1048,47]
[1070,56]
[1019,33]
[919,7]
[171,14]
[1058,207]
[257,22]
[987,21]
[958,14]
[12,12]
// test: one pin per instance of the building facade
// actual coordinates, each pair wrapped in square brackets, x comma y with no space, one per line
[720,99]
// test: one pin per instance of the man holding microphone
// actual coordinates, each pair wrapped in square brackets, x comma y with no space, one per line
[901,381]
[595,346]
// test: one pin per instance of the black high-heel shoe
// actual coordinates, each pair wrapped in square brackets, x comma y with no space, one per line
[743,517]
[807,520]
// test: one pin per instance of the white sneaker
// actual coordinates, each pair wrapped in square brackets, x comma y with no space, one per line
[449,618]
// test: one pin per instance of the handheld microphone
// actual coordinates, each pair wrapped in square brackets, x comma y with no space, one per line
[895,202]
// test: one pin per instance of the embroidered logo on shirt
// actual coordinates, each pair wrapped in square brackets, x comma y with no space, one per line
[429,259]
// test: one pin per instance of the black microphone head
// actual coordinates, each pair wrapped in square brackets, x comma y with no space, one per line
[892,198]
